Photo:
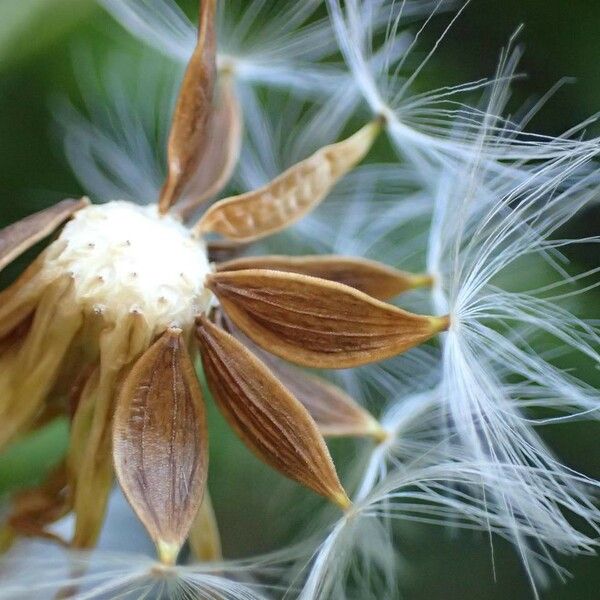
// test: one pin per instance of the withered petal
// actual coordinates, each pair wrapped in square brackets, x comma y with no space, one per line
[160,442]
[22,235]
[373,278]
[221,150]
[55,324]
[335,412]
[265,415]
[19,301]
[35,508]
[204,537]
[318,323]
[290,196]
[89,460]
[189,126]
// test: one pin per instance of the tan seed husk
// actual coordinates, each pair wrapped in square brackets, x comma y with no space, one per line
[221,153]
[335,412]
[373,278]
[160,442]
[265,415]
[318,323]
[190,124]
[290,196]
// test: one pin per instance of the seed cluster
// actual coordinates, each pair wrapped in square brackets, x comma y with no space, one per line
[125,258]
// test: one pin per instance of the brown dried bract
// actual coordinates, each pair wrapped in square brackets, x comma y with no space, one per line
[318,323]
[22,235]
[161,444]
[290,196]
[265,415]
[368,276]
[189,127]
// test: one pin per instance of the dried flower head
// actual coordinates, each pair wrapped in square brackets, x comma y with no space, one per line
[113,313]
[108,323]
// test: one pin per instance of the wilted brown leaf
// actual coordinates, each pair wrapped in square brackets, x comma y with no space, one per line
[189,127]
[335,413]
[22,235]
[290,196]
[160,442]
[265,415]
[318,323]
[373,278]
[221,150]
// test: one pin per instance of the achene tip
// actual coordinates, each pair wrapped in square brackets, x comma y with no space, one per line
[439,324]
[167,552]
[342,500]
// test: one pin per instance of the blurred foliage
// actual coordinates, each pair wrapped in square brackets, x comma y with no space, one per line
[28,26]
[27,461]
[37,60]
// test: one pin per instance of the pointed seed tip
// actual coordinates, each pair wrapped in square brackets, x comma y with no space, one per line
[439,324]
[375,127]
[341,499]
[421,280]
[379,433]
[380,120]
[167,552]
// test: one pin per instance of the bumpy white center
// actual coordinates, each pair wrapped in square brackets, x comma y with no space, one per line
[125,258]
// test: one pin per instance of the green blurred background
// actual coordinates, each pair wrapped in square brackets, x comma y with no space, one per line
[37,40]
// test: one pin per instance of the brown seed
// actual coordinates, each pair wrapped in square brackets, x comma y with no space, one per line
[265,415]
[221,153]
[373,278]
[335,412]
[22,235]
[290,196]
[318,323]
[160,442]
[189,127]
